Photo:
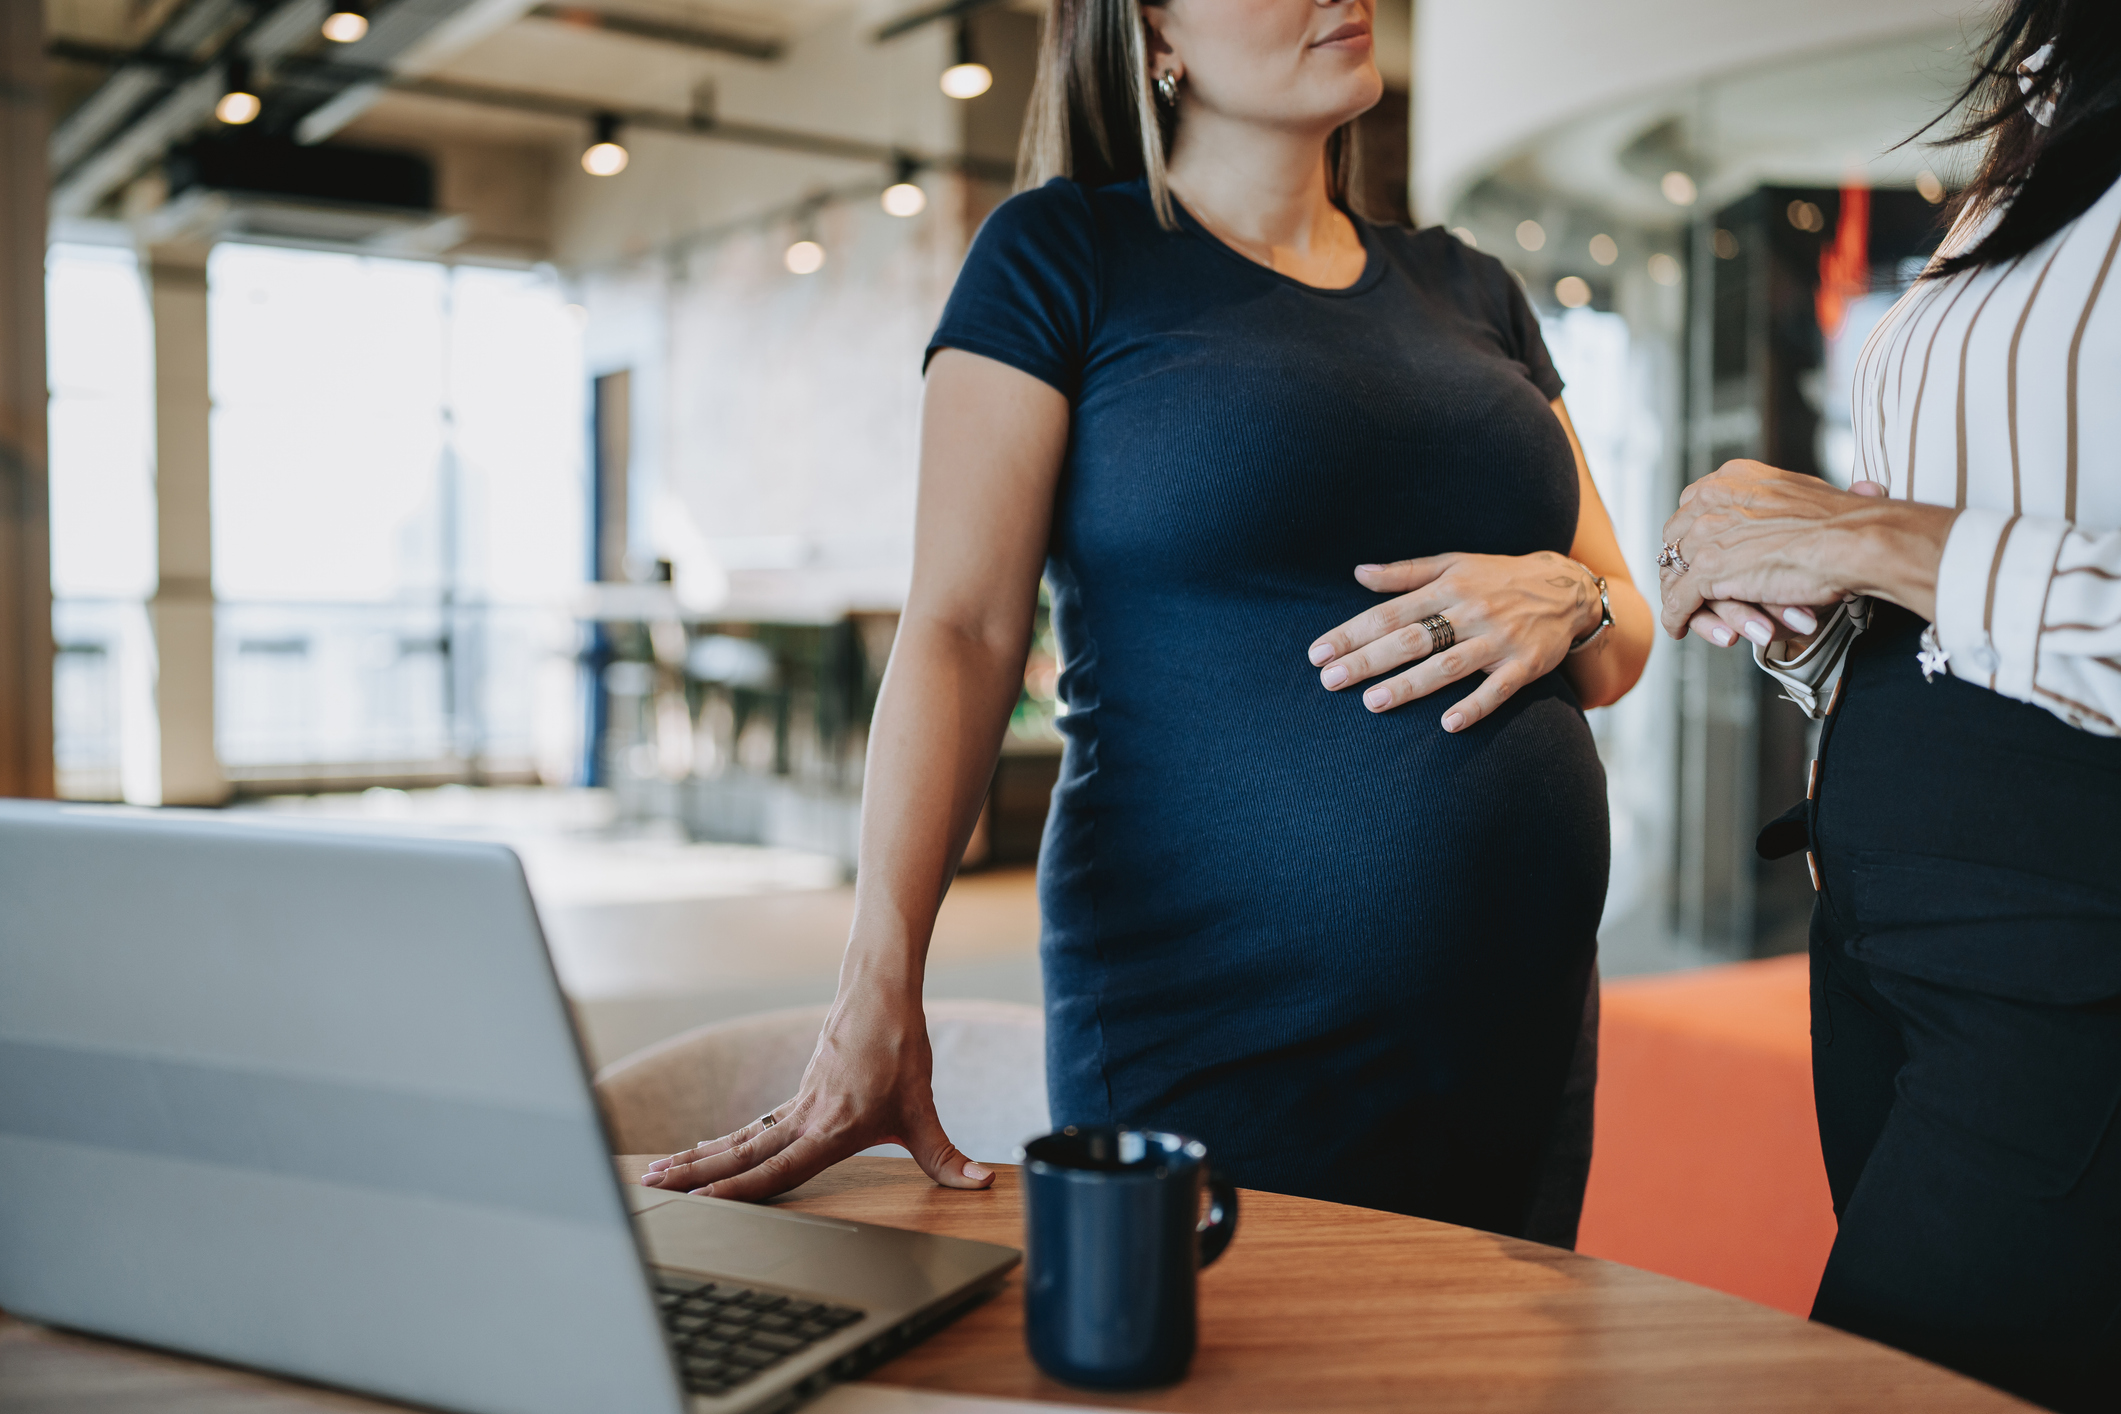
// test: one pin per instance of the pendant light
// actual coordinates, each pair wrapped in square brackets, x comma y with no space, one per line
[904,196]
[239,101]
[347,21]
[967,78]
[604,157]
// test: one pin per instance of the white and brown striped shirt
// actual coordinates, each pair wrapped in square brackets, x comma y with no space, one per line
[1999,391]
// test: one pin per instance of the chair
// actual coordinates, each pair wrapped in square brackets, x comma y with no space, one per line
[990,1078]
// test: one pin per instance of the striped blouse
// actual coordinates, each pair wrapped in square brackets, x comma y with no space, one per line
[1999,391]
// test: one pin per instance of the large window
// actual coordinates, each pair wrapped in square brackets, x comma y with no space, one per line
[398,508]
[99,368]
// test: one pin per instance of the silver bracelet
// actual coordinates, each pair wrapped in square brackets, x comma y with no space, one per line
[1605,617]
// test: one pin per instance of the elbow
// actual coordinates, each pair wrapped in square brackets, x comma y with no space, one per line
[983,632]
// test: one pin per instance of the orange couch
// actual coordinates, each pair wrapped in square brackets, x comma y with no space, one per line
[1706,1165]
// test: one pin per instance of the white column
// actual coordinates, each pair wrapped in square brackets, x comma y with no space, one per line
[26,766]
[181,615]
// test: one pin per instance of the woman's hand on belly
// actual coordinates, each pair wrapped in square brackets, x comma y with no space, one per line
[1513,616]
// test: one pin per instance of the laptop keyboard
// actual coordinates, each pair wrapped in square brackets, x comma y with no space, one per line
[726,1334]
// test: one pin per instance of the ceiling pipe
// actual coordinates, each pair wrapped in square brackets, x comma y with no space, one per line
[744,46]
[948,10]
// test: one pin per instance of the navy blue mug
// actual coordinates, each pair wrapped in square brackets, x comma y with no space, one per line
[1113,1238]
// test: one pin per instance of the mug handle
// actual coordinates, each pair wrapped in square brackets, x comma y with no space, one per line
[1220,1225]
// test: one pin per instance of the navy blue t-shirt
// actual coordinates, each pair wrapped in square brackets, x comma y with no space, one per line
[1347,950]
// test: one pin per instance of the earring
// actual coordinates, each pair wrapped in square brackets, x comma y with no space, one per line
[1167,88]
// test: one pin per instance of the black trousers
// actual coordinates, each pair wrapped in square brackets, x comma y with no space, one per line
[1966,1024]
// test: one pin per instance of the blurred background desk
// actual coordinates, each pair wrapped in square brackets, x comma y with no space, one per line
[1316,1307]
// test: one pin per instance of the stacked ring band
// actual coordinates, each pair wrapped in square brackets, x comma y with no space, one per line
[1669,558]
[1441,634]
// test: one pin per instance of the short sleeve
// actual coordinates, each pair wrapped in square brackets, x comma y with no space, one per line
[1027,293]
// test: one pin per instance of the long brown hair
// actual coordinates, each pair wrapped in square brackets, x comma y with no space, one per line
[2042,175]
[1094,120]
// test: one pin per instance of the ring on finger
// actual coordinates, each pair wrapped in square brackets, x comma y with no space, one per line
[766,1120]
[1669,558]
[1441,634]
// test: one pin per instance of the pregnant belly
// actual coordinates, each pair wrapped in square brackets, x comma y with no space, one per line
[1309,854]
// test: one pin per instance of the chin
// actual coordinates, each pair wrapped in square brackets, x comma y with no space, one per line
[1356,94]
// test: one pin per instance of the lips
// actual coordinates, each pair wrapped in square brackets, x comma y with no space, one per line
[1354,29]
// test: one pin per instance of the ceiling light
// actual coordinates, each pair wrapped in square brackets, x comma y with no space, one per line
[1665,270]
[347,22]
[904,197]
[1531,235]
[604,157]
[1573,291]
[1604,249]
[1724,243]
[967,78]
[239,104]
[1467,236]
[805,257]
[1931,188]
[1678,189]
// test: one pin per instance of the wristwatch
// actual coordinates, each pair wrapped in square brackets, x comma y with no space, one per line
[1605,617]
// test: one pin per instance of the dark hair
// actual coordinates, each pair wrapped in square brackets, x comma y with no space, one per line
[2042,176]
[1093,120]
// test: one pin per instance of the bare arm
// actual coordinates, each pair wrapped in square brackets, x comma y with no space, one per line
[1514,616]
[992,439]
[1604,671]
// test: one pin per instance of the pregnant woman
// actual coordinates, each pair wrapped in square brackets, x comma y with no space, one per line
[1963,829]
[1327,903]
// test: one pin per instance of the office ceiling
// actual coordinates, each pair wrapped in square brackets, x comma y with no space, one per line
[130,81]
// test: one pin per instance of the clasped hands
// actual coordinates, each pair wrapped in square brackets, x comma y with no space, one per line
[1763,550]
[1514,617]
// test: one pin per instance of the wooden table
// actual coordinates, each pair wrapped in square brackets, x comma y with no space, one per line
[1315,1307]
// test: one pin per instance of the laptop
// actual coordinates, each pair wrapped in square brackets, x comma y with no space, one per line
[310,1101]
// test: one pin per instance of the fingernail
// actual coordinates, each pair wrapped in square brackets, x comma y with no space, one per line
[977,1172]
[1334,676]
[1722,637]
[707,1192]
[1759,632]
[1368,569]
[1453,721]
[1376,698]
[650,1179]
[1320,652]
[1799,620]
[659,1165]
